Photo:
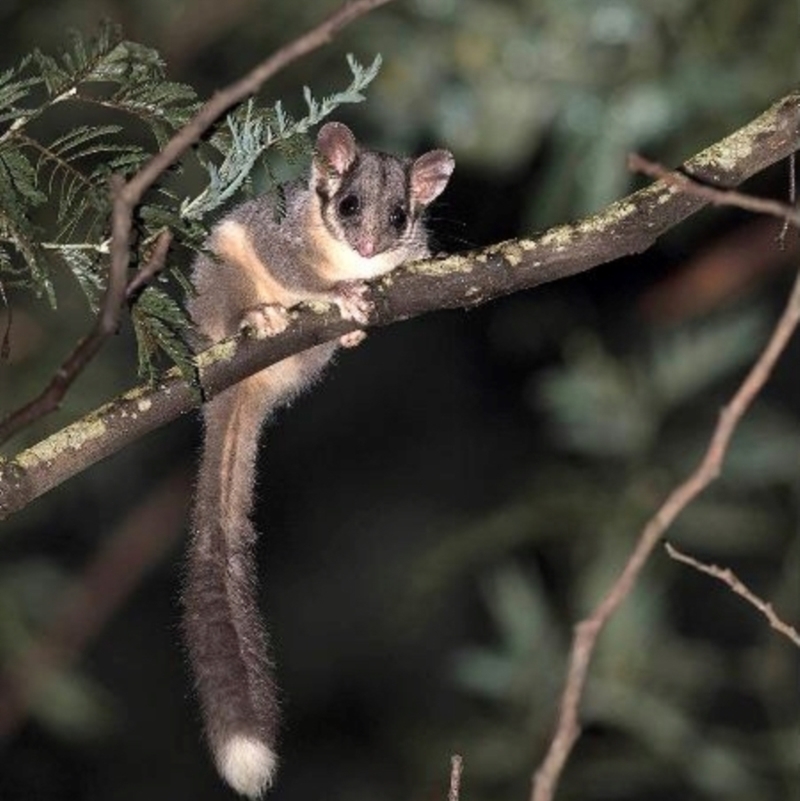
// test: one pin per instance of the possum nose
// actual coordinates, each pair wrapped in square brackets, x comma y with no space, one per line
[365,248]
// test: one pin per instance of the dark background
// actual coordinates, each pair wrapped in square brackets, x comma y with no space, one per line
[463,487]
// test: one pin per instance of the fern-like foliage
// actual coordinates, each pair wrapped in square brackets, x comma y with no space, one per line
[250,132]
[104,106]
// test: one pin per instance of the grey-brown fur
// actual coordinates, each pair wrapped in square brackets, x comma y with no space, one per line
[260,262]
[380,183]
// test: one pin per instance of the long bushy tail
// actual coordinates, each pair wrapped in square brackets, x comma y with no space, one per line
[226,640]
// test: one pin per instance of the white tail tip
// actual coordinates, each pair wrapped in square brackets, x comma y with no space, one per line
[247,764]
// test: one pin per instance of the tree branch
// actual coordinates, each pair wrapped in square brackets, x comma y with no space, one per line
[720,197]
[151,268]
[456,769]
[118,290]
[727,576]
[126,196]
[628,226]
[587,631]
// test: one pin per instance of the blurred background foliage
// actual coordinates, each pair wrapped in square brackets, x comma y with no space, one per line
[461,490]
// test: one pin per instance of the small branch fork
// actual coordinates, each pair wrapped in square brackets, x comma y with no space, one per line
[586,632]
[125,196]
[727,576]
[105,325]
[719,197]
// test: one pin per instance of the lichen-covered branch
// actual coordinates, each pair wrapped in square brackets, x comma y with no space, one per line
[630,225]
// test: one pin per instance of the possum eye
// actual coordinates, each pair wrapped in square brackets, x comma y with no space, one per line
[398,218]
[349,205]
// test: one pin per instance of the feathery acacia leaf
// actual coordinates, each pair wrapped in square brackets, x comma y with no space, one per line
[86,266]
[99,59]
[69,171]
[164,107]
[161,326]
[250,131]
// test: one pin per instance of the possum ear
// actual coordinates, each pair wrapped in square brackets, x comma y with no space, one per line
[430,174]
[337,147]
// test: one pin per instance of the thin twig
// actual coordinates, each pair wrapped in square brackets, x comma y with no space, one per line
[5,340]
[126,196]
[719,197]
[104,326]
[456,769]
[727,576]
[151,268]
[587,631]
[792,198]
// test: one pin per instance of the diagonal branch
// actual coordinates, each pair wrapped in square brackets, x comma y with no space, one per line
[727,576]
[588,630]
[628,226]
[126,196]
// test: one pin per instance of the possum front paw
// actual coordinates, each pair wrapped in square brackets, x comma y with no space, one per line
[353,304]
[353,339]
[266,320]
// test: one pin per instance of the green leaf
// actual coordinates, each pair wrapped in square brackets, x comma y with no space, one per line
[19,178]
[88,269]
[98,59]
[160,325]
[163,107]
[17,188]
[250,131]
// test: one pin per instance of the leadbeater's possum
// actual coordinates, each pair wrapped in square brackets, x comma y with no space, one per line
[359,215]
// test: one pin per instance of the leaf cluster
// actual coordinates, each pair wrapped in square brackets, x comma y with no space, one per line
[104,106]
